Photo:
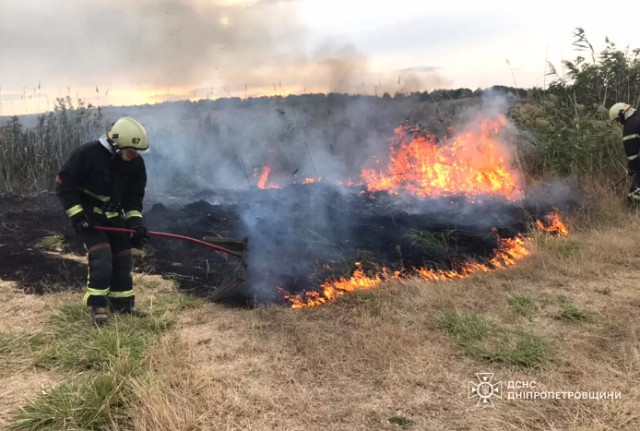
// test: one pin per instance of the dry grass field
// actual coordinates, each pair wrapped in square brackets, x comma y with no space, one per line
[399,357]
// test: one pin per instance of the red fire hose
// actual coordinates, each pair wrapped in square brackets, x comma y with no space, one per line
[173,236]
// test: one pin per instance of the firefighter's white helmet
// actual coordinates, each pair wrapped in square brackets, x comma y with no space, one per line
[618,109]
[127,133]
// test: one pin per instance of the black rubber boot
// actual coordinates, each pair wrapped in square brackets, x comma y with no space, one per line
[99,315]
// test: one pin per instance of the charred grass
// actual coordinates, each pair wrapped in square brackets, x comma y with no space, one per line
[397,357]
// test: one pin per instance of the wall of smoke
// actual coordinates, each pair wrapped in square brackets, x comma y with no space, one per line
[227,144]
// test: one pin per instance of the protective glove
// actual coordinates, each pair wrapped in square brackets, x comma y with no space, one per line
[112,207]
[140,237]
[81,223]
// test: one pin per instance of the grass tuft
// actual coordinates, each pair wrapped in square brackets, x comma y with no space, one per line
[486,341]
[80,346]
[51,243]
[572,313]
[403,422]
[11,343]
[520,349]
[522,304]
[109,358]
[18,347]
[95,403]
[467,328]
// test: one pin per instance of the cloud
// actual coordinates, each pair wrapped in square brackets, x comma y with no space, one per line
[164,43]
[231,46]
[420,69]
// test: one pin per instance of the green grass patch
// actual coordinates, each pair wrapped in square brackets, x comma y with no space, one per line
[106,360]
[468,328]
[79,345]
[522,304]
[572,313]
[96,403]
[51,243]
[518,348]
[486,341]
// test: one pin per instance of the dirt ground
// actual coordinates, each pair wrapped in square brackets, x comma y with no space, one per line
[24,221]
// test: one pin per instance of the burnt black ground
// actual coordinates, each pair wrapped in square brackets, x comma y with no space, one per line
[24,221]
[299,235]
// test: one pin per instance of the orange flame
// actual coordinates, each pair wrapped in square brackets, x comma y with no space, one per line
[509,251]
[474,163]
[264,177]
[507,254]
[555,224]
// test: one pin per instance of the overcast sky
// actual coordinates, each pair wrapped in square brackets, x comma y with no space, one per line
[143,51]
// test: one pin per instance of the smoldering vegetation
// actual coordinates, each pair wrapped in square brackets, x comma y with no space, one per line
[300,236]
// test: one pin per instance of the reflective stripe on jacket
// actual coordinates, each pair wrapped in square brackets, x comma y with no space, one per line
[631,141]
[92,177]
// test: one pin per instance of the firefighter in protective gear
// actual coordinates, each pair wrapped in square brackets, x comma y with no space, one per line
[103,184]
[630,120]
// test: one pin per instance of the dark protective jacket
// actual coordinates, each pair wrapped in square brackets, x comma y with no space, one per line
[631,140]
[95,181]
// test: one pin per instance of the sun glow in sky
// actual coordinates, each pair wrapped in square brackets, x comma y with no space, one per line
[121,52]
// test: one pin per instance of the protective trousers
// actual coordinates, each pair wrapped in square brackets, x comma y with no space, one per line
[109,281]
[634,189]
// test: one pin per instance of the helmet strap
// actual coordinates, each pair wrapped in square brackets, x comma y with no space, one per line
[115,147]
[621,116]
